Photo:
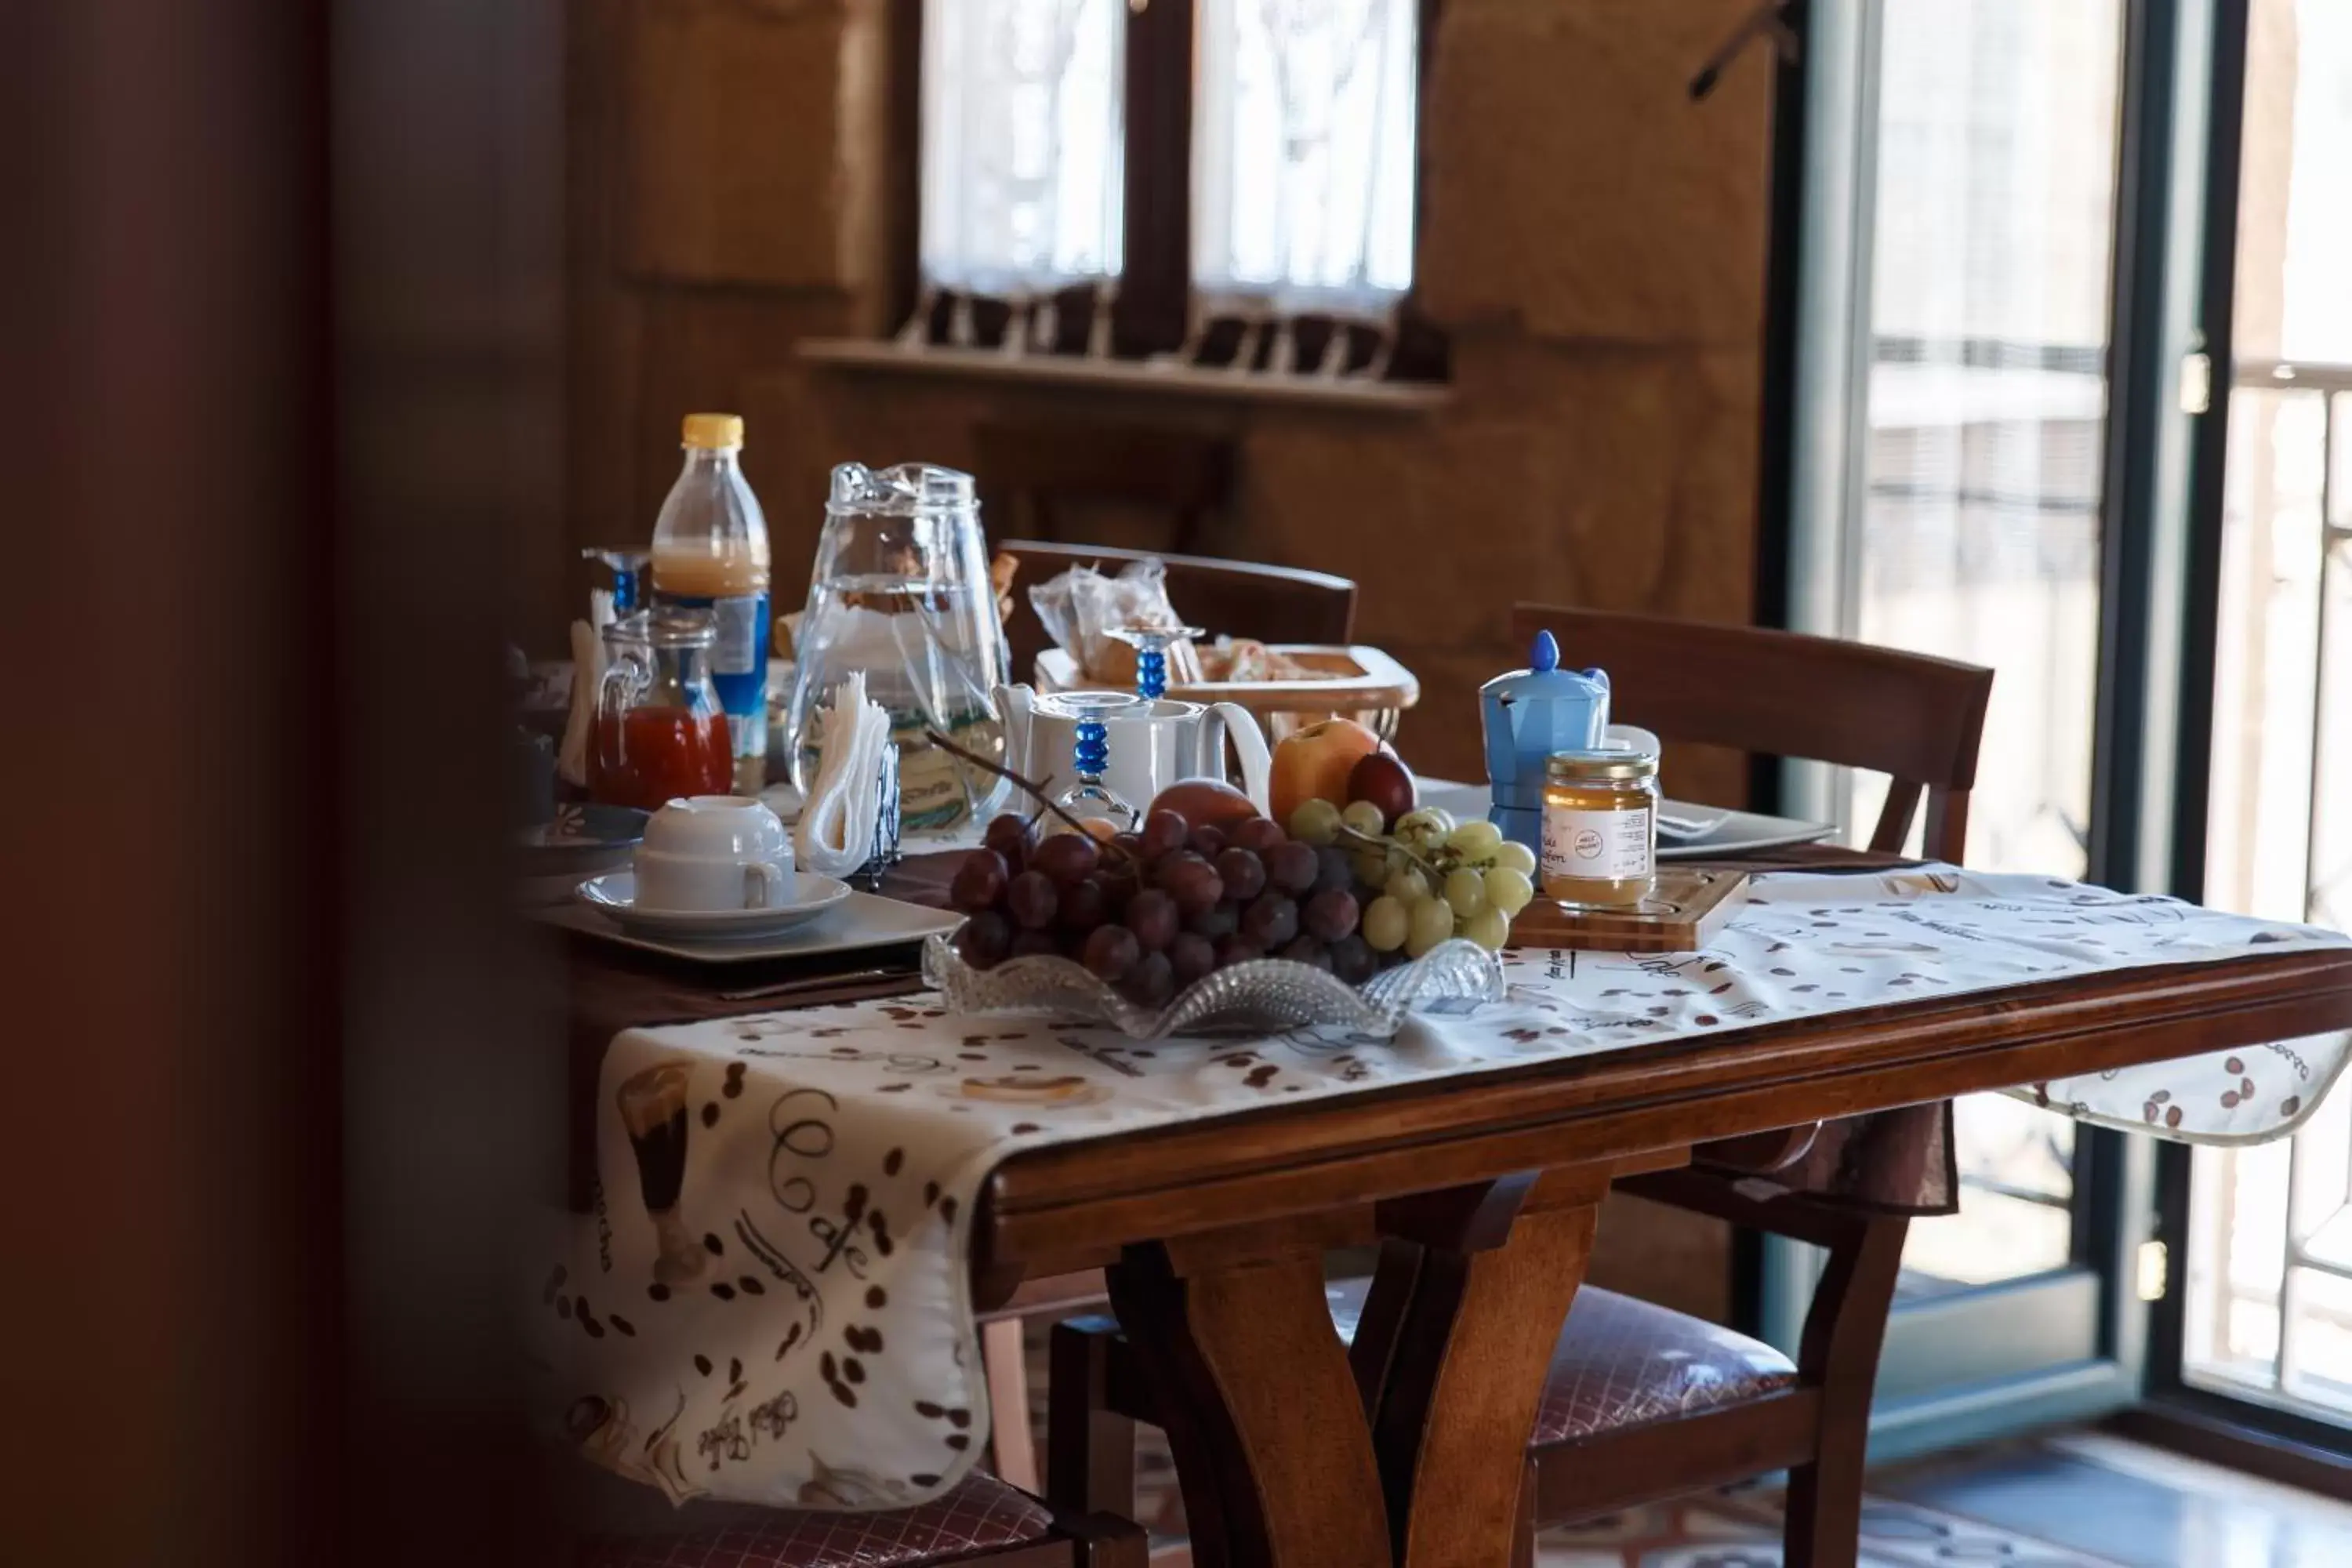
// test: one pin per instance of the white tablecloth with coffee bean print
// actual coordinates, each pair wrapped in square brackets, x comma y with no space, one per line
[770,1301]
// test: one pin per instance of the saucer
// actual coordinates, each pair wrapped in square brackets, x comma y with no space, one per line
[865,923]
[615,895]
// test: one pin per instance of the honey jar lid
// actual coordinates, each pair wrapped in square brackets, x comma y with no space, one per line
[1587,767]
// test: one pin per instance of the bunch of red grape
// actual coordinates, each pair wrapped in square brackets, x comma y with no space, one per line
[1152,911]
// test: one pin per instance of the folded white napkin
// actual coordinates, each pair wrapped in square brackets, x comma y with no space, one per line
[835,832]
[587,678]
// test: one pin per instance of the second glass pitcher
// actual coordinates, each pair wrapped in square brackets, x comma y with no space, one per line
[900,591]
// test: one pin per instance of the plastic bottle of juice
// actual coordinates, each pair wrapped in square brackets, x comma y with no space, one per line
[710,551]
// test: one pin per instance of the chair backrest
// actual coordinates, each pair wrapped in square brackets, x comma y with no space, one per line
[1236,599]
[1030,475]
[1914,718]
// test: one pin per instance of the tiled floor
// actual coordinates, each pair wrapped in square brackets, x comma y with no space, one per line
[2135,1505]
[2072,1500]
[2078,1500]
[2067,1500]
[1745,1532]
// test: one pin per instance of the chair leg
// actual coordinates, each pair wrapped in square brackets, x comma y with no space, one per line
[1089,1447]
[1523,1533]
[1843,1334]
[1012,1447]
[1102,1542]
[1824,1518]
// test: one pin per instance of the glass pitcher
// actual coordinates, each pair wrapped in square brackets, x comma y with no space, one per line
[900,591]
[659,733]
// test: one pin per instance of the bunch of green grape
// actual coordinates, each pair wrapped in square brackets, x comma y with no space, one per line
[1435,878]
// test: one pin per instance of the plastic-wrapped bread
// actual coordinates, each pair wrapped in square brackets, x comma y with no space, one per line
[1080,608]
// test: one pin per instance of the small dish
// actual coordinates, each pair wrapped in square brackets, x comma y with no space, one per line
[580,838]
[615,894]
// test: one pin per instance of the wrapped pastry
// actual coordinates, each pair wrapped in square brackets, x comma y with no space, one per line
[1081,607]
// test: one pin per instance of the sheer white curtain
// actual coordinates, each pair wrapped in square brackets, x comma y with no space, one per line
[1021,144]
[1303,156]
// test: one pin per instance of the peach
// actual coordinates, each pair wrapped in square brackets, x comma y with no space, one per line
[1314,763]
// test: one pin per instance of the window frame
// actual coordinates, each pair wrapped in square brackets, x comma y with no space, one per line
[1153,311]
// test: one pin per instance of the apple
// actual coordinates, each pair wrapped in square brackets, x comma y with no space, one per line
[1384,782]
[1314,763]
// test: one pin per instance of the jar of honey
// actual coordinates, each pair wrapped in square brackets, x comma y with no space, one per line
[1599,828]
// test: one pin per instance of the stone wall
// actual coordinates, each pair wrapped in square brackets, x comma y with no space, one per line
[1592,243]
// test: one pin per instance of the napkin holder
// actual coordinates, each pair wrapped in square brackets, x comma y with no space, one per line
[887,851]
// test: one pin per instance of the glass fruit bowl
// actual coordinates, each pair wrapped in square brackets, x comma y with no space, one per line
[1264,995]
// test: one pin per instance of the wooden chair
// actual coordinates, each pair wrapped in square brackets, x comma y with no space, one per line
[1005,1363]
[981,1520]
[1642,1403]
[1236,599]
[1031,475]
[1915,718]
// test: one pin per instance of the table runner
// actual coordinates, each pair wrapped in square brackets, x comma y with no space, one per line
[771,1300]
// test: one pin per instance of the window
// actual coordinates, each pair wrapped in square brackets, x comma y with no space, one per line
[1021,143]
[1225,180]
[1978,535]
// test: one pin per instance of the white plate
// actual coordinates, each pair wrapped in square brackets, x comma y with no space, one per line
[859,921]
[614,896]
[1737,832]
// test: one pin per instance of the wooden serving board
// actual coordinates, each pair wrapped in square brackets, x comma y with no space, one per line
[1682,915]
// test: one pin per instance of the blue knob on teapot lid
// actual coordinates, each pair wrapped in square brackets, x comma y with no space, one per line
[1544,654]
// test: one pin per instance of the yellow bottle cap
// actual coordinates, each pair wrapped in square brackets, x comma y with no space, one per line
[713,431]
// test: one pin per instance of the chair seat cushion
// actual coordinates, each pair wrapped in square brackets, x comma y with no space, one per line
[980,1512]
[1621,1362]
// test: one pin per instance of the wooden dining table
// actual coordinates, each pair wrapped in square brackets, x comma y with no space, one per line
[1298,1451]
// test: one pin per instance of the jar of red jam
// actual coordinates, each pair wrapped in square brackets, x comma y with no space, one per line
[660,733]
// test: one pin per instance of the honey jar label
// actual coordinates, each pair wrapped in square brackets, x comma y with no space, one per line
[1597,846]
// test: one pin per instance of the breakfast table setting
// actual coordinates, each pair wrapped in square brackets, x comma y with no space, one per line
[1034,977]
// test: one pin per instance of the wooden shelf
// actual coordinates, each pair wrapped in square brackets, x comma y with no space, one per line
[864,356]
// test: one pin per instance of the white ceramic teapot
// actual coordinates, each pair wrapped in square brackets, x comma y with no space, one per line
[1153,742]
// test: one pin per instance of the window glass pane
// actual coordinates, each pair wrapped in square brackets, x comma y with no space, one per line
[1302,152]
[1978,537]
[2269,1309]
[1021,142]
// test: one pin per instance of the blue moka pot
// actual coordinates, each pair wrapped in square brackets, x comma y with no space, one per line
[1527,716]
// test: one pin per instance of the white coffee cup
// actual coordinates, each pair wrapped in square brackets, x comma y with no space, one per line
[714,853]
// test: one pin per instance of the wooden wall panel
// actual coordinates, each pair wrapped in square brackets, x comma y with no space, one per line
[751,144]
